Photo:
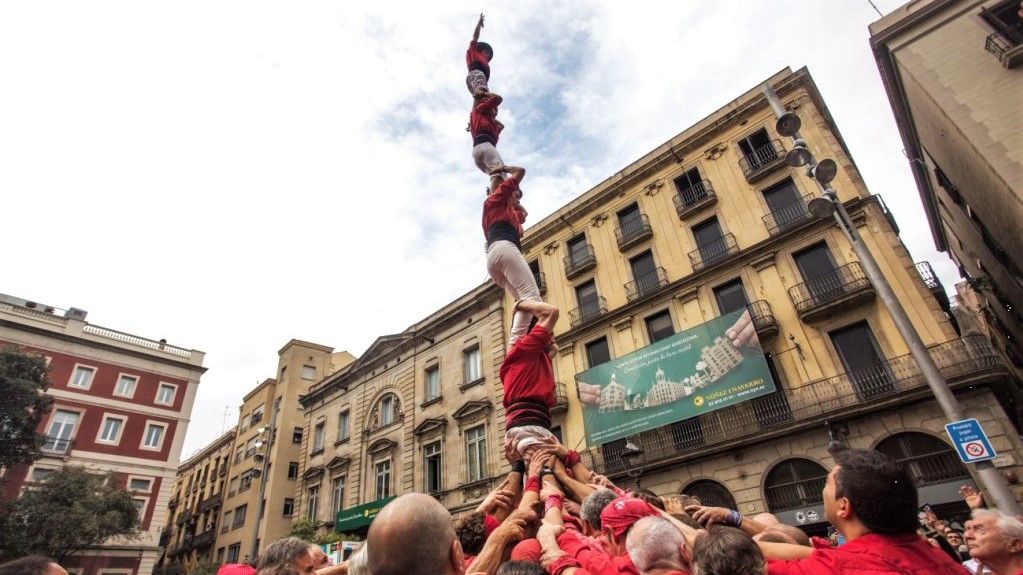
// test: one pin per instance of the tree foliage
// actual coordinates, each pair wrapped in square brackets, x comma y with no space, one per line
[71,509]
[303,529]
[23,385]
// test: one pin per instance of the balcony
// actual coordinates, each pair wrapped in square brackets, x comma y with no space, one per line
[691,199]
[795,495]
[57,446]
[763,318]
[541,282]
[646,284]
[587,312]
[820,296]
[788,217]
[209,503]
[173,503]
[935,468]
[633,232]
[762,161]
[183,517]
[580,261]
[204,539]
[1006,45]
[713,252]
[961,361]
[165,538]
[561,402]
[934,284]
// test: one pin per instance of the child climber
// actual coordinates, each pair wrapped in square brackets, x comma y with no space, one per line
[477,58]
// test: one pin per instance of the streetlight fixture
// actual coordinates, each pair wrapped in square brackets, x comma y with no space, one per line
[828,205]
[635,463]
[263,471]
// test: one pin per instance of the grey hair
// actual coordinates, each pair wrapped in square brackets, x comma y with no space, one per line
[279,556]
[358,562]
[654,542]
[1010,527]
[595,503]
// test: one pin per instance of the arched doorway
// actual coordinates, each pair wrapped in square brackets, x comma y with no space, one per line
[936,469]
[710,493]
[792,490]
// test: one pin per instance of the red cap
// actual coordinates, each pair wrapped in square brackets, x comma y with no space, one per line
[620,514]
[236,569]
[527,550]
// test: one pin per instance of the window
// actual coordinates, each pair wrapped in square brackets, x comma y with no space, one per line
[154,436]
[220,556]
[244,425]
[312,501]
[631,224]
[710,241]
[659,326]
[292,470]
[337,494]
[597,352]
[239,516]
[471,364]
[383,476]
[82,377]
[578,251]
[284,370]
[62,429]
[289,507]
[233,552]
[432,378]
[126,385]
[786,206]
[296,436]
[165,394]
[246,481]
[386,409]
[309,372]
[318,437]
[819,272]
[41,473]
[691,189]
[431,456]
[1007,22]
[757,151]
[140,506]
[793,484]
[239,454]
[343,421]
[110,432]
[711,493]
[929,459]
[589,301]
[534,266]
[866,367]
[645,276]
[476,448]
[136,484]
[730,296]
[257,413]
[234,486]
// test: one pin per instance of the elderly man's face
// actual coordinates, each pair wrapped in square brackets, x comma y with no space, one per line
[305,564]
[985,539]
[320,559]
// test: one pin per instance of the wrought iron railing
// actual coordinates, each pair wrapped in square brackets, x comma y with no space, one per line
[57,446]
[633,230]
[713,252]
[788,216]
[828,287]
[209,503]
[959,361]
[205,538]
[929,277]
[935,468]
[699,194]
[183,517]
[587,311]
[1002,41]
[541,282]
[576,262]
[646,284]
[794,495]
[561,398]
[763,317]
[762,159]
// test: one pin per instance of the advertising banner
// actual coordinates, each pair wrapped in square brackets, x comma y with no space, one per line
[702,369]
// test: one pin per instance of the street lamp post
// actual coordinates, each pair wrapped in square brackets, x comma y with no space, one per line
[263,479]
[635,463]
[828,205]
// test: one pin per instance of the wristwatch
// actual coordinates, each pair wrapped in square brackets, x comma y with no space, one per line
[546,471]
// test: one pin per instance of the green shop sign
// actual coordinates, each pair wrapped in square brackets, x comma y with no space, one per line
[690,373]
[359,516]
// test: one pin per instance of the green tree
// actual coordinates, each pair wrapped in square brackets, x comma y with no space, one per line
[23,385]
[71,509]
[303,529]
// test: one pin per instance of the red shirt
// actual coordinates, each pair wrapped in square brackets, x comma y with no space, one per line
[871,554]
[477,60]
[595,562]
[498,207]
[483,117]
[527,373]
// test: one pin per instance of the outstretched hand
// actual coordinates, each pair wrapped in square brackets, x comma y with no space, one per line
[972,497]
[480,23]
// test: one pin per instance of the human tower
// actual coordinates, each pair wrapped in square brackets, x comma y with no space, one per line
[526,374]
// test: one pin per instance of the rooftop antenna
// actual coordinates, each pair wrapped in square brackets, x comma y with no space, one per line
[227,412]
[872,5]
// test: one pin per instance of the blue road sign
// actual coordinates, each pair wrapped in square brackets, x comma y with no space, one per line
[970,441]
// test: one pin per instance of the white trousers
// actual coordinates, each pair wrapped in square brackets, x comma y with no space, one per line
[487,157]
[510,271]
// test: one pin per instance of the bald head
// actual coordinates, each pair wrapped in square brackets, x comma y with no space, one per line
[655,543]
[413,535]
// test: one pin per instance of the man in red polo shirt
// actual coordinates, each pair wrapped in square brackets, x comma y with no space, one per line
[872,502]
[528,379]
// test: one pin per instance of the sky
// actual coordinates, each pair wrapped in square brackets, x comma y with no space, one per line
[230,175]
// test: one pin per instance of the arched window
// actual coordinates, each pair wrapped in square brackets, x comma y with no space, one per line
[386,411]
[794,483]
[710,493]
[929,459]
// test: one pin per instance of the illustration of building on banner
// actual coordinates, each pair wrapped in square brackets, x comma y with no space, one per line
[665,391]
[721,358]
[612,396]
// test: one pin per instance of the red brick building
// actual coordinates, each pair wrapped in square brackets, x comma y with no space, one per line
[121,404]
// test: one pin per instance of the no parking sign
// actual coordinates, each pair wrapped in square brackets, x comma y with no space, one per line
[970,441]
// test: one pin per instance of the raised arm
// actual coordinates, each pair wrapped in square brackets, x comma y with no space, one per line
[476,32]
